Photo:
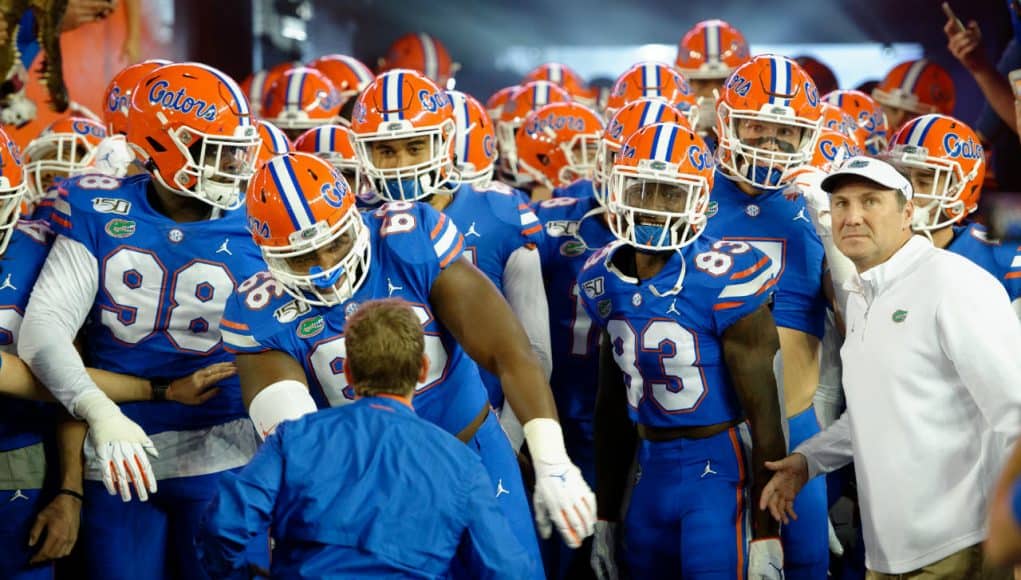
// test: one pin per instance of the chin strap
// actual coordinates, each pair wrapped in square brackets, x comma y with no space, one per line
[678,285]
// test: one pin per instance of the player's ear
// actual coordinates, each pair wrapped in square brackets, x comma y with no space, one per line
[422,373]
[350,377]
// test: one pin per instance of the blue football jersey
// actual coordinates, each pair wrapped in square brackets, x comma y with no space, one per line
[1001,259]
[411,244]
[568,243]
[668,342]
[495,223]
[163,286]
[22,423]
[579,189]
[777,224]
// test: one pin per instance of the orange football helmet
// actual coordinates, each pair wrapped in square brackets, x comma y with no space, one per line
[527,98]
[117,99]
[659,188]
[768,92]
[919,87]
[712,49]
[836,119]
[653,80]
[945,161]
[832,149]
[274,142]
[474,140]
[557,144]
[400,105]
[564,77]
[300,99]
[496,101]
[872,129]
[334,143]
[707,55]
[628,119]
[63,149]
[299,207]
[423,53]
[12,188]
[257,84]
[348,74]
[194,125]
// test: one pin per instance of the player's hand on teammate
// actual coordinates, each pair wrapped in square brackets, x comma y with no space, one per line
[790,475]
[57,527]
[765,559]
[604,548]
[198,387]
[121,445]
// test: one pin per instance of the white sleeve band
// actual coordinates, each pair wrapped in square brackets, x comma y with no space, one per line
[524,290]
[545,441]
[61,299]
[282,401]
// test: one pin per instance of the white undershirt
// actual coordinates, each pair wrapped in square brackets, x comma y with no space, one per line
[523,288]
[61,299]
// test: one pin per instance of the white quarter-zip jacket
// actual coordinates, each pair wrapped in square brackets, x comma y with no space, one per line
[932,377]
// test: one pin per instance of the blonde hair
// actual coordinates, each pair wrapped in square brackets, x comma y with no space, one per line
[384,348]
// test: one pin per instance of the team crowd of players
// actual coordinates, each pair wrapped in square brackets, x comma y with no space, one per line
[635,290]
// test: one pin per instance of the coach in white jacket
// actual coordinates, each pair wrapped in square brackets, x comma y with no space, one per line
[932,377]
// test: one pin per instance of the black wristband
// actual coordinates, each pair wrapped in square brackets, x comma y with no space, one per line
[70,492]
[159,389]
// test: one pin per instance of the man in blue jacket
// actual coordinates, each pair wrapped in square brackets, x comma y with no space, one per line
[367,489]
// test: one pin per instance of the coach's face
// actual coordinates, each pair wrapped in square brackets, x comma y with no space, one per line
[870,222]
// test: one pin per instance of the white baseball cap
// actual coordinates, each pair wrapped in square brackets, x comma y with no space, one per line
[875,170]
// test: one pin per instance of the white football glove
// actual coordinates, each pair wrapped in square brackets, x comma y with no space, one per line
[121,446]
[765,559]
[603,558]
[113,156]
[562,498]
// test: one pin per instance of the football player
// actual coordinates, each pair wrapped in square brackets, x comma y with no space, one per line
[706,56]
[557,146]
[325,258]
[423,53]
[412,161]
[64,148]
[768,122]
[575,227]
[913,88]
[945,162]
[300,99]
[687,356]
[143,267]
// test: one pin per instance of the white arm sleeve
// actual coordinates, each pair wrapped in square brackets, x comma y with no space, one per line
[61,299]
[524,290]
[829,450]
[840,268]
[982,338]
[829,396]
